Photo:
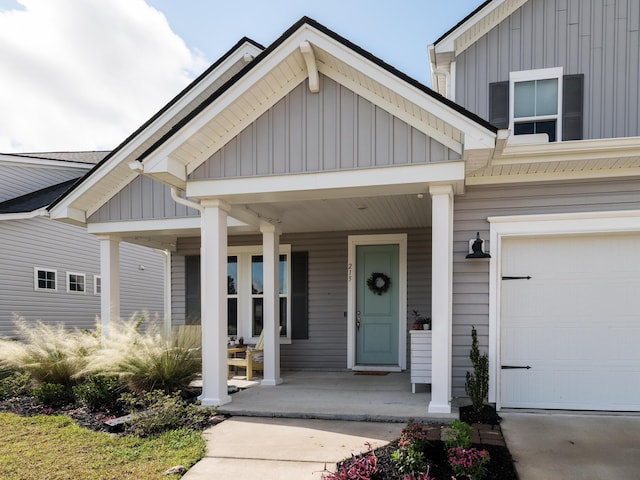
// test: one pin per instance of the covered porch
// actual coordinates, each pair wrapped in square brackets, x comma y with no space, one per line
[341,395]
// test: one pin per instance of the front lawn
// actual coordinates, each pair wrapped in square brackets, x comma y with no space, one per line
[56,448]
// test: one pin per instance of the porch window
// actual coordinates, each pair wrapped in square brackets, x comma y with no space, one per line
[75,282]
[246,303]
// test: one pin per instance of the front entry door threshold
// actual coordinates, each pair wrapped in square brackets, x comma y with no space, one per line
[377,368]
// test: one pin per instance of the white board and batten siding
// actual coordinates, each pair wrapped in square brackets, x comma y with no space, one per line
[42,243]
[471,277]
[598,39]
[326,347]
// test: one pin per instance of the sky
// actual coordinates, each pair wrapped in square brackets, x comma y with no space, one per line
[85,74]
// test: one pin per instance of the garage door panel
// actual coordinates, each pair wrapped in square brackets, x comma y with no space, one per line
[576,322]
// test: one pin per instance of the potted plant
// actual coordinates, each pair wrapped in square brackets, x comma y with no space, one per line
[420,322]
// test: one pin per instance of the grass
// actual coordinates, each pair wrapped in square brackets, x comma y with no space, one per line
[55,448]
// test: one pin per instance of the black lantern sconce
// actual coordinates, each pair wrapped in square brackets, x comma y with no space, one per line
[476,248]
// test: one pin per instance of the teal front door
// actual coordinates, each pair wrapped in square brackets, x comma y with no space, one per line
[377,297]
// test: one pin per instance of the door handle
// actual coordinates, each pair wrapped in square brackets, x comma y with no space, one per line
[358,320]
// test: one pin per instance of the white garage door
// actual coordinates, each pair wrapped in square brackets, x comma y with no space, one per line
[575,322]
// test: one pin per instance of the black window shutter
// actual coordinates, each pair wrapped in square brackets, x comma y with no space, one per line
[299,295]
[192,290]
[499,104]
[572,106]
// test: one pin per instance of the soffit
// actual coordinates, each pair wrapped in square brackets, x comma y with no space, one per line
[602,158]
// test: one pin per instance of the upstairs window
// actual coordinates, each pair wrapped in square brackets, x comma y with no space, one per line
[539,101]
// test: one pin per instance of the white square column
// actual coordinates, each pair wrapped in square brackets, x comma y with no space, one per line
[441,296]
[271,304]
[110,282]
[213,281]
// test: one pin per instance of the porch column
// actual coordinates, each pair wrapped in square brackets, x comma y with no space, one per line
[271,304]
[110,281]
[213,280]
[441,296]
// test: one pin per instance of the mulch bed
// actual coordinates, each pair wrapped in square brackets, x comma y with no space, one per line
[487,436]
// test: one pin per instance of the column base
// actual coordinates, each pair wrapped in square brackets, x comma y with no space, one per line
[271,383]
[214,402]
[439,407]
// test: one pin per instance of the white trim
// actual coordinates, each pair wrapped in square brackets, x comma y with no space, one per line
[77,275]
[539,225]
[24,161]
[322,185]
[530,75]
[173,225]
[97,279]
[24,215]
[399,239]
[35,279]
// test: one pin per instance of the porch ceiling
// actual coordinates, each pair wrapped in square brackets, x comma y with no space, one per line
[368,213]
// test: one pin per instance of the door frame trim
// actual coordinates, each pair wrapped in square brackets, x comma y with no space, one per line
[539,225]
[354,241]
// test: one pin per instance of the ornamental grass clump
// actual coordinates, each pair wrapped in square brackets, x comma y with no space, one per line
[50,353]
[140,354]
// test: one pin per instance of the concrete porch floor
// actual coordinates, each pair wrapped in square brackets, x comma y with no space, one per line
[336,396]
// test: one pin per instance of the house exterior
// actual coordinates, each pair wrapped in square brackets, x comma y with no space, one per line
[312,191]
[51,270]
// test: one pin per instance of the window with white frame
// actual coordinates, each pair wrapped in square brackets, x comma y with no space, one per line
[76,282]
[97,285]
[44,279]
[536,105]
[245,293]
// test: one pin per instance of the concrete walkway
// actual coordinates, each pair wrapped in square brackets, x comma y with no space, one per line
[588,447]
[284,448]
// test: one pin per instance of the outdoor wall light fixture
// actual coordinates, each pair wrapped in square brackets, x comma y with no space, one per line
[476,248]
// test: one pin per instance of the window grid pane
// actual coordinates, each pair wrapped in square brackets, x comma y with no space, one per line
[525,99]
[546,97]
[46,280]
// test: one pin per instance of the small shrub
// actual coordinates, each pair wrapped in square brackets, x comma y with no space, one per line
[15,385]
[360,467]
[409,458]
[155,412]
[99,391]
[477,384]
[52,394]
[469,463]
[458,434]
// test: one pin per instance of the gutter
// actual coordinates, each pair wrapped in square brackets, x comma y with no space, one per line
[42,212]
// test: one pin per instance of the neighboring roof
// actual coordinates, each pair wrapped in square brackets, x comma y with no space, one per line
[76,157]
[36,200]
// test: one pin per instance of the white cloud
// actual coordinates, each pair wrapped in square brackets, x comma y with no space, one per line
[84,74]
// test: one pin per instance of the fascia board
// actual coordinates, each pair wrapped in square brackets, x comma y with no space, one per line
[42,212]
[342,184]
[553,176]
[166,225]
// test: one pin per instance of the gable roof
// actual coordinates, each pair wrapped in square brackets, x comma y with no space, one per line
[464,34]
[171,151]
[36,200]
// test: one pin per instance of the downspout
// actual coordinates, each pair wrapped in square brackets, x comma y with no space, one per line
[175,194]
[167,293]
